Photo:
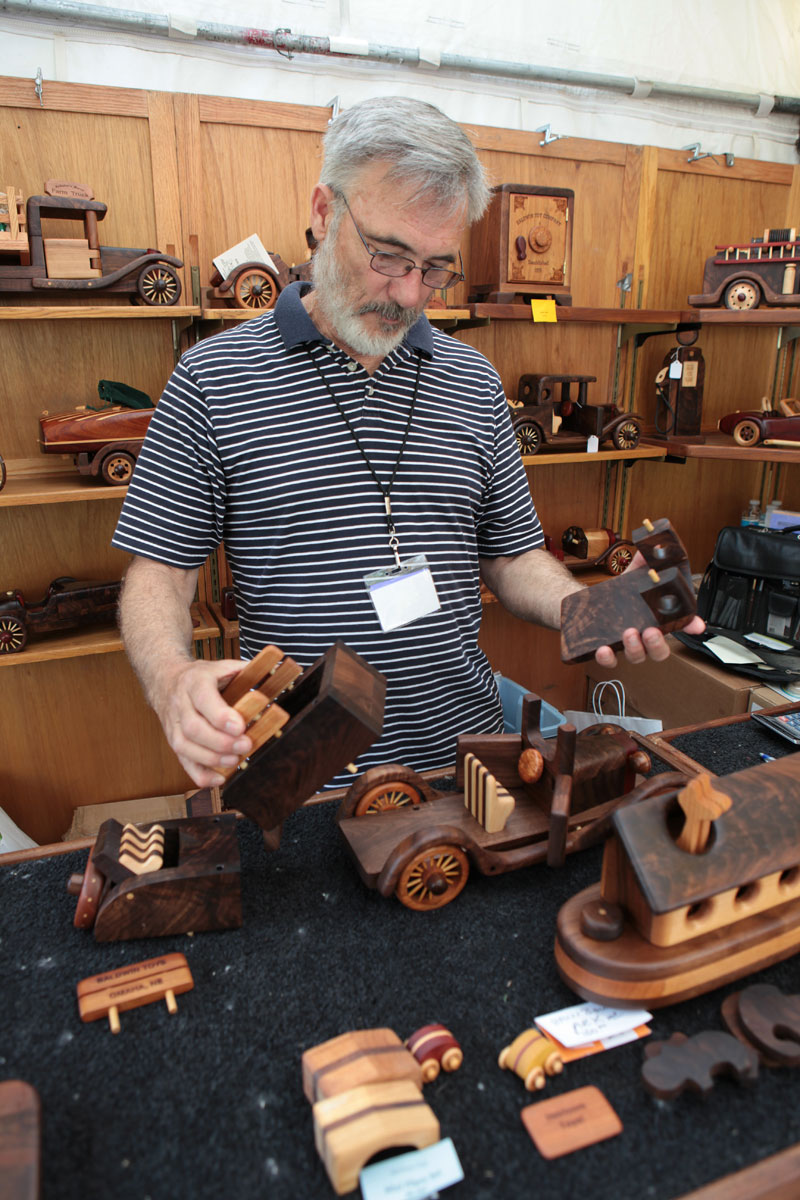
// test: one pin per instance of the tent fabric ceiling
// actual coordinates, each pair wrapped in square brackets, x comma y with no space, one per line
[741,46]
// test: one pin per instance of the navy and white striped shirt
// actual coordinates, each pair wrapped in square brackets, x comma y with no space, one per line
[247,447]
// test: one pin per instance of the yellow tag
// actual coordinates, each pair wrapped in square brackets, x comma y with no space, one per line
[544,310]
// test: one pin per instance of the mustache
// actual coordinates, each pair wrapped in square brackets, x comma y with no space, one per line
[391,311]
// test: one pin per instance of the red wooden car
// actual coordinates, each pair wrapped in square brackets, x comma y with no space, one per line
[67,604]
[750,427]
[105,441]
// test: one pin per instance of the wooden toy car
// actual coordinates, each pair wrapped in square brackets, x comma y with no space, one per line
[57,266]
[533,1057]
[255,284]
[434,1048]
[587,549]
[105,441]
[700,886]
[67,604]
[523,802]
[768,425]
[540,417]
[741,276]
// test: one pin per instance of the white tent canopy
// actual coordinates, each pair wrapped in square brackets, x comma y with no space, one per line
[660,72]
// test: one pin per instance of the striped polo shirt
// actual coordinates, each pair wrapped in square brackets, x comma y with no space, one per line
[247,446]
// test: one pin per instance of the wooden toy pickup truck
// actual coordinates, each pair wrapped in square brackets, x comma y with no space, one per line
[547,412]
[525,800]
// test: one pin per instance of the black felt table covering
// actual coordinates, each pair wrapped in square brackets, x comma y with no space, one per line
[209,1103]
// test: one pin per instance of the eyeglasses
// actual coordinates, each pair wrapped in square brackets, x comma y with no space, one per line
[397,266]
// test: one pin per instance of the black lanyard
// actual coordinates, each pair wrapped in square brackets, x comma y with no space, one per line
[384,490]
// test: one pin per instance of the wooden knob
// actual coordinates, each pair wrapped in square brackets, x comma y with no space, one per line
[74,885]
[530,765]
[602,921]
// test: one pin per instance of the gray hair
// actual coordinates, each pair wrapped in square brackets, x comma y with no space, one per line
[421,146]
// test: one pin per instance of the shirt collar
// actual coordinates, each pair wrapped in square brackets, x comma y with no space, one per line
[295,325]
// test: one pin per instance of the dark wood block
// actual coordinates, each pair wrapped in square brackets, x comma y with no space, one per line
[20,1141]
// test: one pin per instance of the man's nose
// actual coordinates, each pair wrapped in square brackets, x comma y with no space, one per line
[409,290]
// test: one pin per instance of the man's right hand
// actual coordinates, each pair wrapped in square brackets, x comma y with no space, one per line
[205,732]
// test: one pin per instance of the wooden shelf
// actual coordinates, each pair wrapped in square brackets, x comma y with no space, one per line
[606,316]
[437,316]
[32,482]
[579,456]
[755,316]
[101,640]
[83,312]
[721,446]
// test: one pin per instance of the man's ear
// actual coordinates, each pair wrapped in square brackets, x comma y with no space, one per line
[321,210]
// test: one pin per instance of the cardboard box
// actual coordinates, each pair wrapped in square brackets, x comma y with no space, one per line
[684,690]
[767,697]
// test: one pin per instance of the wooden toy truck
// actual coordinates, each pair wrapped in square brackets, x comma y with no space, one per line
[741,276]
[51,267]
[524,800]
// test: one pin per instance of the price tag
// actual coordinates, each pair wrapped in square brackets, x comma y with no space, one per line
[582,1023]
[412,1176]
[544,310]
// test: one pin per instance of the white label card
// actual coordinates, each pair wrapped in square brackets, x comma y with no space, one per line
[412,1176]
[250,250]
[582,1023]
[402,594]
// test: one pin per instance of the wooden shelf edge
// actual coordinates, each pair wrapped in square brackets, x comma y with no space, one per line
[31,482]
[82,312]
[550,460]
[718,446]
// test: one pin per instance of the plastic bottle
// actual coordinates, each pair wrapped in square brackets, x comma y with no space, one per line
[752,514]
[772,507]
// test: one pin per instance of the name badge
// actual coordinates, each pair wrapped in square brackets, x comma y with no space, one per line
[402,594]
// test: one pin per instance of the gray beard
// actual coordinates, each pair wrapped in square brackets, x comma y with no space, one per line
[331,295]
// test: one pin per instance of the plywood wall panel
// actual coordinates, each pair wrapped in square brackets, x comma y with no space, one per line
[41,543]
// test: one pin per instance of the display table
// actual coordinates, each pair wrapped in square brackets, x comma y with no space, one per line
[209,1103]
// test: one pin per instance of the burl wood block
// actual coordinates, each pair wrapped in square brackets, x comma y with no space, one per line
[335,713]
[354,1058]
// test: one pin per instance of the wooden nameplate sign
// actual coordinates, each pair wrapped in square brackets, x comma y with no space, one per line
[113,992]
[700,886]
[659,594]
[177,876]
[313,724]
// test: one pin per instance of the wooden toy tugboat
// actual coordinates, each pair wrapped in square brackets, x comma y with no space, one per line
[700,885]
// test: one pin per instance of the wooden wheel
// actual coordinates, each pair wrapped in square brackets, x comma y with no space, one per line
[386,796]
[433,877]
[255,288]
[117,468]
[158,284]
[88,890]
[626,435]
[619,558]
[529,437]
[13,635]
[747,433]
[741,295]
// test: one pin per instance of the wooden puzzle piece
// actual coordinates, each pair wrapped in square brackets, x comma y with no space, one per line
[771,1022]
[114,992]
[141,852]
[694,1063]
[489,802]
[532,1056]
[353,1126]
[433,1047]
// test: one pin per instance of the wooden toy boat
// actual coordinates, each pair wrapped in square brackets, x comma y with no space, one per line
[700,886]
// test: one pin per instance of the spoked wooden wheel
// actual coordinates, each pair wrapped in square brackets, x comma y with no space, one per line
[529,438]
[741,295]
[619,558]
[255,289]
[433,877]
[158,284]
[747,433]
[626,436]
[13,635]
[386,796]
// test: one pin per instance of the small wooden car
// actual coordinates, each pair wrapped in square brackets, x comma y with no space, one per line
[588,549]
[526,800]
[750,427]
[52,267]
[105,442]
[255,285]
[67,604]
[541,418]
[741,276]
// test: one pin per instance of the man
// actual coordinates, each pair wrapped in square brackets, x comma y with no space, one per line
[359,466]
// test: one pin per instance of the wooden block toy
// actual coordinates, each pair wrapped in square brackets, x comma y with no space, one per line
[434,1047]
[20,1141]
[180,876]
[570,1121]
[767,1019]
[351,1127]
[659,594]
[532,1056]
[113,992]
[358,1057]
[694,1063]
[326,716]
[488,801]
[708,888]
